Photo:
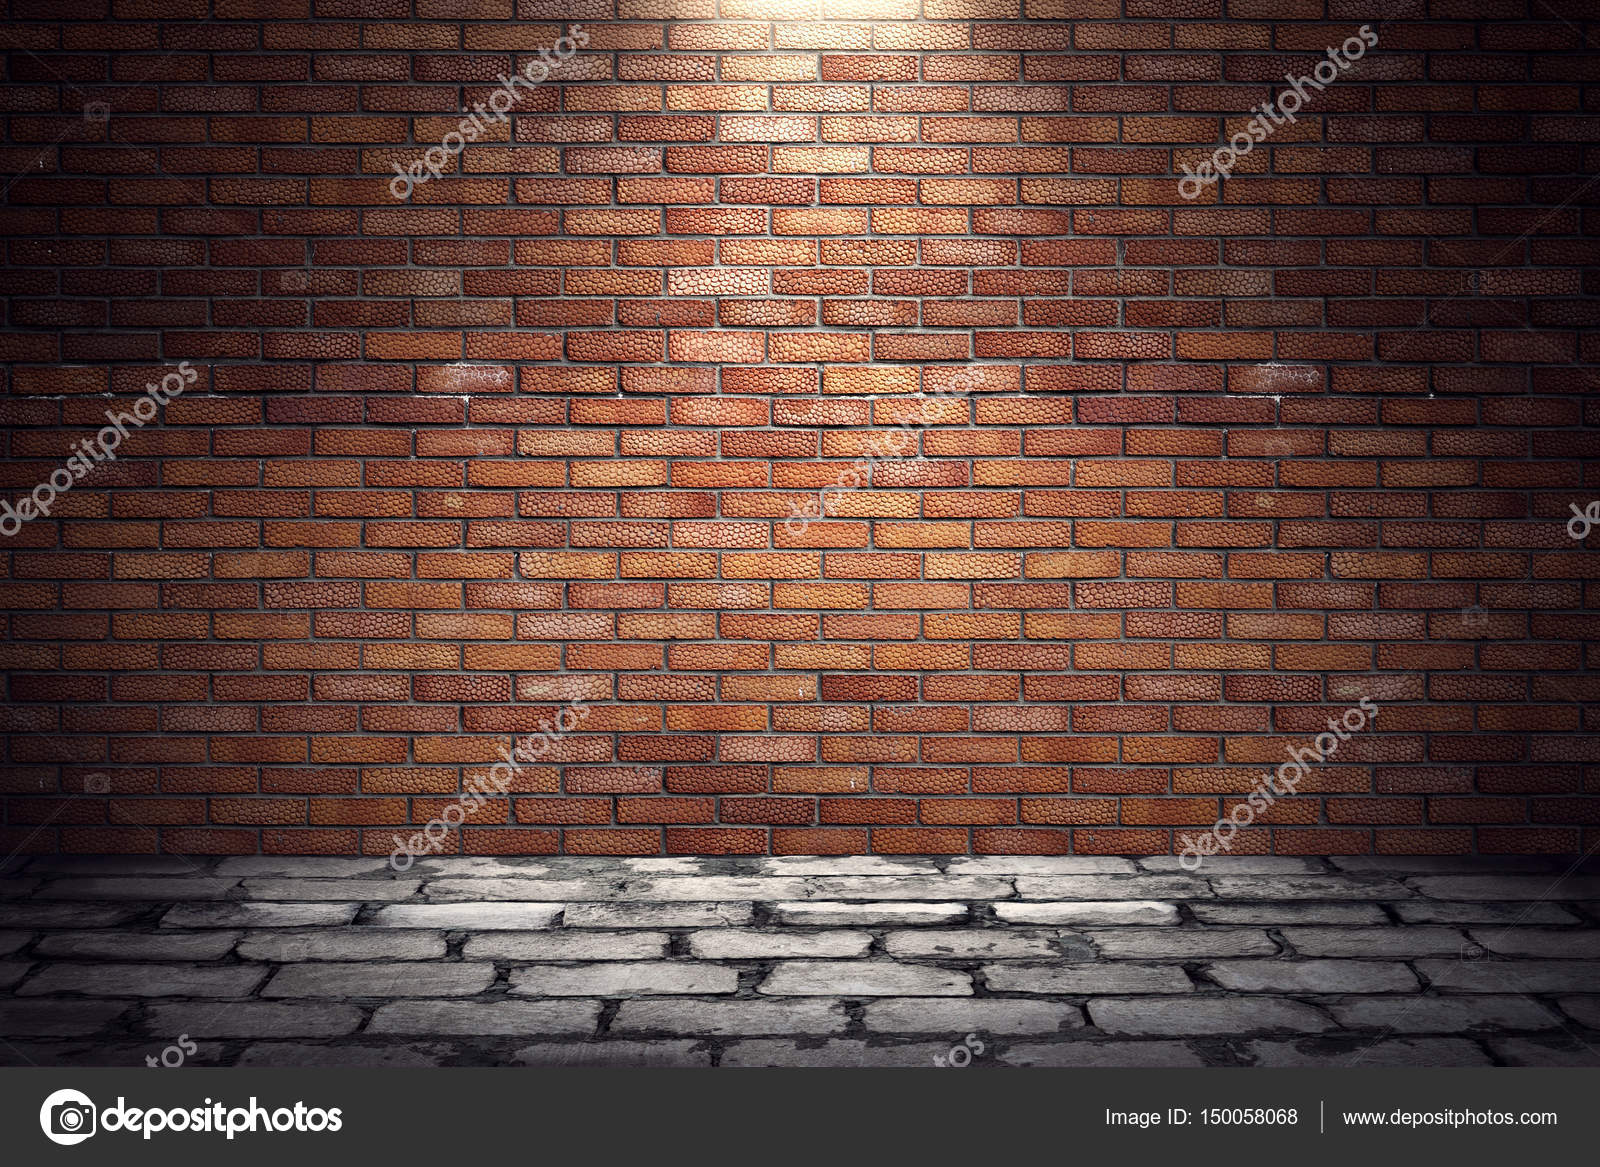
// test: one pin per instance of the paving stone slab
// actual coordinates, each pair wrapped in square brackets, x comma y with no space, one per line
[956,1016]
[1392,941]
[342,944]
[1584,1010]
[295,890]
[483,891]
[1574,943]
[342,1056]
[623,979]
[492,866]
[258,915]
[1392,1052]
[1181,943]
[499,916]
[1040,865]
[771,1054]
[249,1019]
[12,971]
[305,866]
[157,889]
[1196,1015]
[971,944]
[862,978]
[107,865]
[679,915]
[654,1055]
[848,865]
[1112,888]
[1103,1055]
[1508,914]
[504,1017]
[46,1018]
[1443,864]
[1308,887]
[910,887]
[138,945]
[1553,1051]
[1272,913]
[145,980]
[786,944]
[1512,976]
[544,946]
[868,915]
[1086,979]
[379,979]
[675,889]
[13,941]
[1508,887]
[1313,976]
[1416,1014]
[1089,913]
[729,1018]
[1236,864]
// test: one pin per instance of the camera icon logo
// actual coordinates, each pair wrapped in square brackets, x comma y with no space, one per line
[67,1117]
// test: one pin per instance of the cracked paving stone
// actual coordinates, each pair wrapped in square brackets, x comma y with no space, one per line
[485,866]
[1391,941]
[138,945]
[487,1018]
[57,1018]
[1112,888]
[1511,976]
[1508,887]
[566,946]
[679,915]
[1430,912]
[771,1054]
[1313,976]
[145,980]
[249,1019]
[498,916]
[1292,913]
[304,867]
[1441,1014]
[862,978]
[974,943]
[368,890]
[1163,1016]
[258,915]
[342,944]
[970,1015]
[1394,1052]
[1089,913]
[1564,1051]
[702,888]
[869,915]
[1102,1054]
[1086,979]
[632,979]
[1565,942]
[373,979]
[303,1056]
[1307,887]
[742,944]
[729,1018]
[656,1055]
[1181,943]
[157,889]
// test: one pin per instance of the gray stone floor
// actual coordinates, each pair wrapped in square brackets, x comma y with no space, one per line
[856,961]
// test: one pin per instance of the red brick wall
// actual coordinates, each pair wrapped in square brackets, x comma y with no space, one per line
[1196,474]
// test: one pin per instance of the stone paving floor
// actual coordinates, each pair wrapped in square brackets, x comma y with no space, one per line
[854,961]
